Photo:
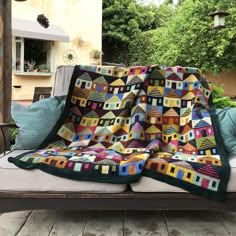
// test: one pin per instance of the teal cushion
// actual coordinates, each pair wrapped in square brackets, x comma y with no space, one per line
[227,123]
[35,121]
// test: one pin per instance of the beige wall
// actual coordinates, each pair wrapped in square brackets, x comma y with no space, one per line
[80,19]
[227,80]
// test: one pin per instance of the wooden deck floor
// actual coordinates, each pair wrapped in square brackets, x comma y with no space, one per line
[118,223]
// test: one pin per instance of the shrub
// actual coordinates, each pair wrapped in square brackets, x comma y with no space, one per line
[219,100]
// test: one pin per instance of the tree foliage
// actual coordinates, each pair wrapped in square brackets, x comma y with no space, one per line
[189,40]
[124,20]
[142,50]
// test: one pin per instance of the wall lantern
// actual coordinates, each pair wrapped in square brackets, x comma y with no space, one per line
[219,19]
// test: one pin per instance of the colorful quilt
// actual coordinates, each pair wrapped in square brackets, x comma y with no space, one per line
[123,123]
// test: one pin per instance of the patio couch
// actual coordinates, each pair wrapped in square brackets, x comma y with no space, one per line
[34,189]
[23,189]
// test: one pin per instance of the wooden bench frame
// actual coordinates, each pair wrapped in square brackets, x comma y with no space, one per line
[128,200]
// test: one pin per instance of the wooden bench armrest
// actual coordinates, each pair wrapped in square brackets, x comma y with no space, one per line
[8,125]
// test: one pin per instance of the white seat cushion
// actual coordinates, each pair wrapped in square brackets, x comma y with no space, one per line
[13,178]
[147,184]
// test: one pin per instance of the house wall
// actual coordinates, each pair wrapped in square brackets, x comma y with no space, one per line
[80,19]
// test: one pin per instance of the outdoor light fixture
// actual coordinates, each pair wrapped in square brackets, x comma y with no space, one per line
[219,19]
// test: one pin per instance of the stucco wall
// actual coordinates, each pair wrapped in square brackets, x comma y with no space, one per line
[80,19]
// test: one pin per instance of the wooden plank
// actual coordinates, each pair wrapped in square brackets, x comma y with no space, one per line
[113,201]
[194,223]
[229,221]
[126,194]
[104,223]
[11,223]
[39,223]
[69,223]
[144,223]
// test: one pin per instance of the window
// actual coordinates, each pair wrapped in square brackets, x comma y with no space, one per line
[189,175]
[33,55]
[213,184]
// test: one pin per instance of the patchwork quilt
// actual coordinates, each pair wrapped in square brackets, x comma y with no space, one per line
[123,123]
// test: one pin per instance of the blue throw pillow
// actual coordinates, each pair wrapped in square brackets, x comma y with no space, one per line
[35,121]
[227,123]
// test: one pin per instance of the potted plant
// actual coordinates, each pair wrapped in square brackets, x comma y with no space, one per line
[96,54]
[43,68]
[30,65]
